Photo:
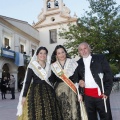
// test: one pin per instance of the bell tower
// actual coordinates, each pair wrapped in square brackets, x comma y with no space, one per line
[53,9]
[52,4]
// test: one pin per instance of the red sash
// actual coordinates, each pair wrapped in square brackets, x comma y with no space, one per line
[92,92]
[68,82]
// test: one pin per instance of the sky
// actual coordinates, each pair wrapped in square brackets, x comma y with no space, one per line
[28,10]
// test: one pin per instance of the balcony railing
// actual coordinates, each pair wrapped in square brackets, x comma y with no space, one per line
[19,59]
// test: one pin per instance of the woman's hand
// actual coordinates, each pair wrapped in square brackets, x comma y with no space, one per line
[23,100]
[82,83]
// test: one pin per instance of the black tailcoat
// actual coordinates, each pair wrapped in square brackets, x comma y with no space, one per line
[98,65]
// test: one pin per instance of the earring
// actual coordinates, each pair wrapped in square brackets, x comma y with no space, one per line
[56,58]
[45,60]
[37,60]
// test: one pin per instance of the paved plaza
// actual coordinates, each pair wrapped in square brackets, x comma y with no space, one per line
[8,107]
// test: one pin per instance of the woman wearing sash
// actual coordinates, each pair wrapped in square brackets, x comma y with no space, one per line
[62,77]
[37,100]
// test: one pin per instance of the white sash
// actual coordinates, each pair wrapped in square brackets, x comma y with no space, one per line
[42,72]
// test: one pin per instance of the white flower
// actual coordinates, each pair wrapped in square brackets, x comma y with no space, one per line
[100,75]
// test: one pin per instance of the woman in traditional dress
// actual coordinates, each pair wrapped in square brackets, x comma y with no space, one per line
[63,78]
[37,100]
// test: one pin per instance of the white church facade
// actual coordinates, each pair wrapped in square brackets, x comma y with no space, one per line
[53,17]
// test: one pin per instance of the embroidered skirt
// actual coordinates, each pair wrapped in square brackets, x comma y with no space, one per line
[41,104]
[68,102]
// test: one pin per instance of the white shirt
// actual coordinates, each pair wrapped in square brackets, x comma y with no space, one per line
[89,80]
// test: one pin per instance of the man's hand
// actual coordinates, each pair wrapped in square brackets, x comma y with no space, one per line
[104,96]
[81,83]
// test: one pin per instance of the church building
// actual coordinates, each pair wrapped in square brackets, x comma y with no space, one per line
[53,17]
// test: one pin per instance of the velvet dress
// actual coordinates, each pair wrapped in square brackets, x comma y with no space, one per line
[41,99]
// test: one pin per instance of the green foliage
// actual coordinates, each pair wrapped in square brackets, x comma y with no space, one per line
[114,69]
[100,27]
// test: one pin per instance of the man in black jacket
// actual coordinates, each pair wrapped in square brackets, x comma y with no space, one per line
[92,72]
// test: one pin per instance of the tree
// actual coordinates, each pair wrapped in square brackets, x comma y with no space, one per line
[100,27]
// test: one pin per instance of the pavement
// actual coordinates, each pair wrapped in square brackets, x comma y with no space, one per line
[8,107]
[115,104]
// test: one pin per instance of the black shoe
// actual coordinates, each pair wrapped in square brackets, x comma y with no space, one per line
[4,98]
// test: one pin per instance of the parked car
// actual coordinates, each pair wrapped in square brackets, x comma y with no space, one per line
[116,79]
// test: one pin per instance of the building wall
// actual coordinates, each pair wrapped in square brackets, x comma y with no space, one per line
[45,37]
[23,25]
[16,37]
